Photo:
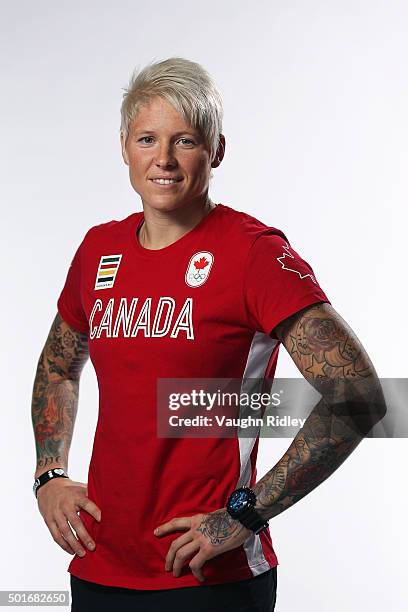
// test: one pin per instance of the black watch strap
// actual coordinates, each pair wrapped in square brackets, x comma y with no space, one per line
[246,515]
[250,518]
[48,475]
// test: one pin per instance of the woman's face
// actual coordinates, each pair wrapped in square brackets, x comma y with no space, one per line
[161,144]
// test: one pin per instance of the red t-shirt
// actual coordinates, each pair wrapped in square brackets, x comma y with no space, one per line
[202,307]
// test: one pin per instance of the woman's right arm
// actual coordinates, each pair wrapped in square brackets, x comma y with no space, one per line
[55,394]
[53,411]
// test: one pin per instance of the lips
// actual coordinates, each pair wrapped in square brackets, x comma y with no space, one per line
[166,183]
[167,178]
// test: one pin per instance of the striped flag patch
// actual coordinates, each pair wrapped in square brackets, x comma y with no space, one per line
[107,270]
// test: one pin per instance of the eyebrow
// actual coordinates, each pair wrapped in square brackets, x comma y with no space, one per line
[192,133]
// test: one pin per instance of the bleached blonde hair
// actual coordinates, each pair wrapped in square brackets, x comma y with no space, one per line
[184,84]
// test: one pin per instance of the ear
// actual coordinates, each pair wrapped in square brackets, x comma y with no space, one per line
[123,147]
[220,152]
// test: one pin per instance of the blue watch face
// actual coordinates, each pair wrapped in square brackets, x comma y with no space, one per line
[239,500]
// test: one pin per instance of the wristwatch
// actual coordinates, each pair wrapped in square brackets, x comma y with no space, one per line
[48,475]
[241,507]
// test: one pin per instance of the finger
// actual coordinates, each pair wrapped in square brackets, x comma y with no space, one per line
[176,523]
[183,554]
[197,563]
[80,530]
[57,536]
[67,533]
[174,546]
[88,505]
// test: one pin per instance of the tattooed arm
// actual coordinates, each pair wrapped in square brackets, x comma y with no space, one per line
[54,407]
[331,358]
[55,394]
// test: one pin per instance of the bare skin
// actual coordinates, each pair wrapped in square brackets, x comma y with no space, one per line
[54,407]
[161,143]
[330,356]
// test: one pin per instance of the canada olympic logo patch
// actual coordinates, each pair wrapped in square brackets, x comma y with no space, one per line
[198,268]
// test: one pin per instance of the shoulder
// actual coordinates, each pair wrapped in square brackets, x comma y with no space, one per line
[110,230]
[247,228]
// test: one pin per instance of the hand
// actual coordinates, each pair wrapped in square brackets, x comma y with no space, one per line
[208,535]
[59,501]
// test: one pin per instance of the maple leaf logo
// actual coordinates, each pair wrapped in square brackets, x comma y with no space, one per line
[198,268]
[288,262]
[201,263]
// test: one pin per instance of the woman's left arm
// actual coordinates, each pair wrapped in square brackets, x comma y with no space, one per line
[329,355]
[331,358]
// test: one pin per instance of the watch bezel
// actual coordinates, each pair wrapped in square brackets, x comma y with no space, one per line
[249,502]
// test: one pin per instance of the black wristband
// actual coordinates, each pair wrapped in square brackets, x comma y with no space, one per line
[48,475]
[252,520]
[247,515]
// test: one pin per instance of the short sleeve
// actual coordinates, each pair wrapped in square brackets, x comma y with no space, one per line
[277,283]
[69,303]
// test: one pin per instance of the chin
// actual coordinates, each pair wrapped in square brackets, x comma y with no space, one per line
[166,203]
[163,205]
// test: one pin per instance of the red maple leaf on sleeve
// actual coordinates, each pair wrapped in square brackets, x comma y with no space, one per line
[201,263]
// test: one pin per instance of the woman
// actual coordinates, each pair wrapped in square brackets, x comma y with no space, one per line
[185,289]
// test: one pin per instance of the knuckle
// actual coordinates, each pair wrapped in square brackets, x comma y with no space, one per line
[81,532]
[60,541]
[53,530]
[67,534]
[206,549]
[179,555]
[82,505]
[86,538]
[75,522]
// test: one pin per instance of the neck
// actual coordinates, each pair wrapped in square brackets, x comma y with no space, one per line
[162,228]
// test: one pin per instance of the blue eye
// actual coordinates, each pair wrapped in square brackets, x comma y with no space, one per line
[143,138]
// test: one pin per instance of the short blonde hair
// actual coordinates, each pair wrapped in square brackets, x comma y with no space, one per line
[184,84]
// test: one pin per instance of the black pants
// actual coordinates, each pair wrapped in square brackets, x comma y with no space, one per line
[257,594]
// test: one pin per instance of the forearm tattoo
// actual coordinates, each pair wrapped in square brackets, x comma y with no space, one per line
[331,358]
[55,393]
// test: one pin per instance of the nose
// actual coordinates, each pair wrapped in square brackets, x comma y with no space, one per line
[165,157]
